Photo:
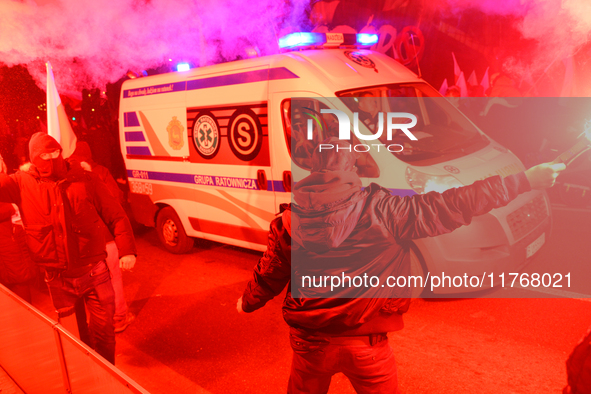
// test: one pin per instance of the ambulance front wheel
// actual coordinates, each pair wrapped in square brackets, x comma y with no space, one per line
[171,232]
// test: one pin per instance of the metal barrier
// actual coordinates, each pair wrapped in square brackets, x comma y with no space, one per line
[42,357]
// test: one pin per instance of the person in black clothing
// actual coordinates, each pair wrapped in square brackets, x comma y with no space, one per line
[336,226]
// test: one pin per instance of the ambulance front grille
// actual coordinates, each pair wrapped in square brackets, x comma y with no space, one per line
[525,219]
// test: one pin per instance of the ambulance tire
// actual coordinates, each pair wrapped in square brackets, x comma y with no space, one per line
[417,268]
[172,233]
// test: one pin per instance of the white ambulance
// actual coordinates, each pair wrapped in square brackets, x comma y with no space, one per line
[209,151]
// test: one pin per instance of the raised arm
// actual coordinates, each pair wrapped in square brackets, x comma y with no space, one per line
[9,190]
[431,214]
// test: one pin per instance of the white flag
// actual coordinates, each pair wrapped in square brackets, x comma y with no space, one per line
[462,85]
[58,123]
[443,88]
[485,83]
[457,69]
[472,81]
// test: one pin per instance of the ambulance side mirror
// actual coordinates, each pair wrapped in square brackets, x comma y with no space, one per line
[287,181]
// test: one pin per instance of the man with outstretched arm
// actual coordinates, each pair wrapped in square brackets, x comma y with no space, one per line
[335,223]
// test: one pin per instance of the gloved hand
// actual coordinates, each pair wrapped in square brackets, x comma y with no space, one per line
[544,175]
[127,262]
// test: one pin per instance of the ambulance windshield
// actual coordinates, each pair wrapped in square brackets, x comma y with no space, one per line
[442,131]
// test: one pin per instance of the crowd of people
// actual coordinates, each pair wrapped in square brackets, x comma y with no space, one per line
[79,238]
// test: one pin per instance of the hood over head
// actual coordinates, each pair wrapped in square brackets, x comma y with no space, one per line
[329,201]
[82,153]
[44,143]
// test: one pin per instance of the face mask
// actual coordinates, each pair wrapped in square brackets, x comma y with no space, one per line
[59,167]
[55,168]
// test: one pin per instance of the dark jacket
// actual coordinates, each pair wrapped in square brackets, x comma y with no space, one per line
[62,218]
[84,154]
[337,227]
[578,367]
[111,185]
[15,262]
[110,182]
[106,177]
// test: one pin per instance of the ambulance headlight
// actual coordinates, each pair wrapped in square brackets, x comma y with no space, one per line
[425,183]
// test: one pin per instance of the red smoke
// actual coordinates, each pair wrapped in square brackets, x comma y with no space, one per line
[90,43]
[559,30]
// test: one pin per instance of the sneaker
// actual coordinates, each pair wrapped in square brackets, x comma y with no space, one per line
[121,325]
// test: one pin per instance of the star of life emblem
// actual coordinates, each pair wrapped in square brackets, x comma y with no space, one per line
[360,59]
[206,136]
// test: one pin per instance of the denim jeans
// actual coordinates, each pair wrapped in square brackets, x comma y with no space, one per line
[371,369]
[96,290]
[117,280]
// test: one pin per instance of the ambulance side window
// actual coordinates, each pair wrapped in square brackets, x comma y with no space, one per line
[295,128]
[301,149]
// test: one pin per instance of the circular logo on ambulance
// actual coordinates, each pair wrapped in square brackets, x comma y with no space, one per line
[452,169]
[360,58]
[206,136]
[245,135]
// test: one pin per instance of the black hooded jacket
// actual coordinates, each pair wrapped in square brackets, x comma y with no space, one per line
[336,227]
[63,215]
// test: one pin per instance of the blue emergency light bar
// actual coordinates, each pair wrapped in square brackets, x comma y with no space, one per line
[367,39]
[183,67]
[299,40]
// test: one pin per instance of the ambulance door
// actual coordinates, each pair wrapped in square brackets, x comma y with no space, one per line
[154,145]
[285,171]
[280,137]
[229,155]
